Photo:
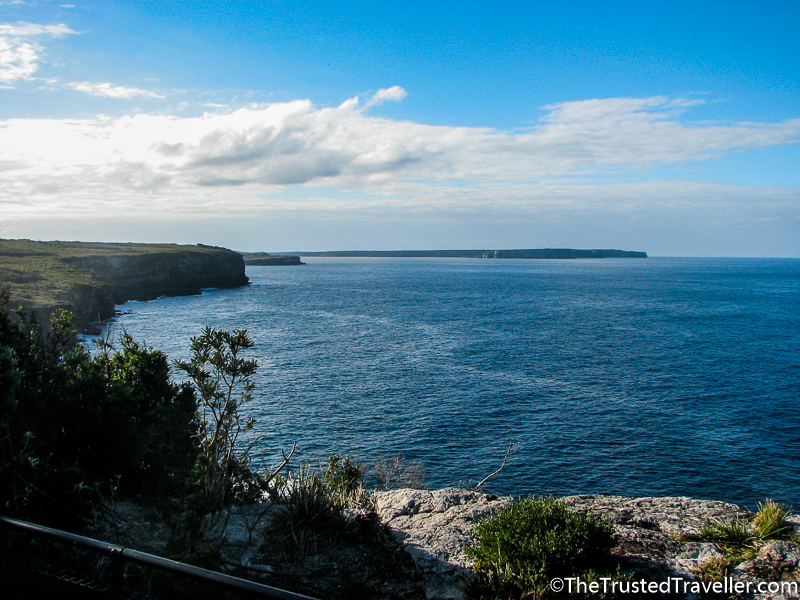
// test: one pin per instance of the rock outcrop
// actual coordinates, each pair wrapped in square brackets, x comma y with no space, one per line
[434,526]
[654,536]
[656,540]
[273,261]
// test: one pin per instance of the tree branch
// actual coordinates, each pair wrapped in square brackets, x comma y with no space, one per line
[509,452]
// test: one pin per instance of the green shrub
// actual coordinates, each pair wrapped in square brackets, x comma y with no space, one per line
[343,474]
[521,548]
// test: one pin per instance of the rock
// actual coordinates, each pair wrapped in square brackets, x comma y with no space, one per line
[654,542]
[677,517]
[777,560]
[434,526]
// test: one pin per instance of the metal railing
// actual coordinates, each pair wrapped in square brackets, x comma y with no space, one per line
[120,555]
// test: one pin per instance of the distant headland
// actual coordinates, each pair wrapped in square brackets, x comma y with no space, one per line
[263,259]
[540,253]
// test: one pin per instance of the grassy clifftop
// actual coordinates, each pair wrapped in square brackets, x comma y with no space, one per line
[89,278]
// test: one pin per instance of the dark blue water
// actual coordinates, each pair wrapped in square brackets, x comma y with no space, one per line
[635,377]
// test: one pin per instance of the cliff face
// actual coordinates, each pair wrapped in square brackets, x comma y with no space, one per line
[89,303]
[148,276]
[89,278]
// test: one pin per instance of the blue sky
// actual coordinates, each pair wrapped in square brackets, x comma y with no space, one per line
[669,127]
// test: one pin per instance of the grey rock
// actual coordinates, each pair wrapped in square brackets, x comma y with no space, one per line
[676,516]
[434,527]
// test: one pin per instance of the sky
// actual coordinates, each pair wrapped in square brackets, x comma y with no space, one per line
[666,127]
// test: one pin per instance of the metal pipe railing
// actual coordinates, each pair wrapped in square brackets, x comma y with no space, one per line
[120,555]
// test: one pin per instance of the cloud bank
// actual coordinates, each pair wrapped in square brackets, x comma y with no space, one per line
[581,157]
[297,143]
[108,91]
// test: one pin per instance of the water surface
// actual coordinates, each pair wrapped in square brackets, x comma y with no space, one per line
[636,377]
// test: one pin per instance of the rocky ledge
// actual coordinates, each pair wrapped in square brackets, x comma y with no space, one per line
[652,534]
[434,526]
[265,259]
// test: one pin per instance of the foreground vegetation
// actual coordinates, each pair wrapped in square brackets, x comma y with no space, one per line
[80,429]
[80,433]
[75,427]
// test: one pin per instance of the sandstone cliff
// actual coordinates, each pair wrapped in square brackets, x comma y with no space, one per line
[90,278]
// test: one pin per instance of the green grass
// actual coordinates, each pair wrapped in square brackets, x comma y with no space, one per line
[770,521]
[741,539]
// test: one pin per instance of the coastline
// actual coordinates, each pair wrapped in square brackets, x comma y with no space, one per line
[89,279]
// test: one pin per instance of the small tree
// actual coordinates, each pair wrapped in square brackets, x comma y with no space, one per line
[222,476]
[223,382]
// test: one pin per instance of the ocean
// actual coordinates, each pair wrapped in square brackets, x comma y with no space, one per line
[640,377]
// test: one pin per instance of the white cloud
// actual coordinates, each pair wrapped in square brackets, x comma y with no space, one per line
[394,93]
[237,162]
[109,91]
[20,53]
[24,29]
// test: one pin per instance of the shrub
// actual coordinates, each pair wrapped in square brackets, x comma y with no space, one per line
[75,426]
[520,548]
[223,382]
[394,473]
[312,506]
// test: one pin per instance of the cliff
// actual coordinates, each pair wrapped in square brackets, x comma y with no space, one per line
[90,278]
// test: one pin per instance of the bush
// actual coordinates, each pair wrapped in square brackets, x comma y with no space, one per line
[395,473]
[74,426]
[312,505]
[521,548]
